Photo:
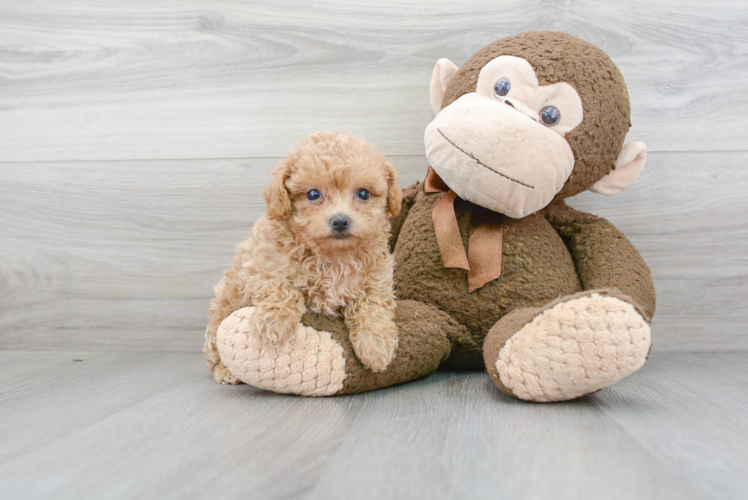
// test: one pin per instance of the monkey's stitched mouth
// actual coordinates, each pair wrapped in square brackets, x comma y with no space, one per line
[481,163]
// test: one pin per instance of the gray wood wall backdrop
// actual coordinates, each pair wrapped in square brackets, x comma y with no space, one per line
[135,138]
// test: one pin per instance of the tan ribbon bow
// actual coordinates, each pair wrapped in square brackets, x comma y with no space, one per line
[483,258]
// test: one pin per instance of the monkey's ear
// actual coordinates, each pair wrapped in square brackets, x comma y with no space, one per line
[443,73]
[394,193]
[276,194]
[628,165]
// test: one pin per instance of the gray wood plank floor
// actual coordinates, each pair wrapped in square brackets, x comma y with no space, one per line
[155,425]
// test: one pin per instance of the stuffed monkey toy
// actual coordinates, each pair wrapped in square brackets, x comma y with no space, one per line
[492,269]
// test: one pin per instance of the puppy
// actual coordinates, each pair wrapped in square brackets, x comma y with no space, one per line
[322,246]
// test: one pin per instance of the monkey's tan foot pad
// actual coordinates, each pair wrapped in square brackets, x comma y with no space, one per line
[310,364]
[574,348]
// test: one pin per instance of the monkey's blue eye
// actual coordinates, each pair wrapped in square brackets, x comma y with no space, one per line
[501,87]
[550,115]
[313,195]
[363,194]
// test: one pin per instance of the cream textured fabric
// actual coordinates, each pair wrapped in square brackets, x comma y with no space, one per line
[443,73]
[574,348]
[311,364]
[627,168]
[496,156]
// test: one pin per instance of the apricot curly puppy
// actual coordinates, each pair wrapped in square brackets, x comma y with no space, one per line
[321,247]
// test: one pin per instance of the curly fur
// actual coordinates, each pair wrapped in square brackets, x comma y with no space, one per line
[294,262]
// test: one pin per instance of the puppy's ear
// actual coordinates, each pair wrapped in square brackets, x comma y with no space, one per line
[276,194]
[394,193]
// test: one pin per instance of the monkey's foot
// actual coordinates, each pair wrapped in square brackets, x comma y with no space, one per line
[310,364]
[570,349]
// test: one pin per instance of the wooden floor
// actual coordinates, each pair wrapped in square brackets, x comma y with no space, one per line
[95,425]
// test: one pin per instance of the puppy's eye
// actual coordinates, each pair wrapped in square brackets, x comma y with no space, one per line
[362,194]
[313,195]
[550,115]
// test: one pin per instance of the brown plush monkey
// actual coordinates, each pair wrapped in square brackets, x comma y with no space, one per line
[492,269]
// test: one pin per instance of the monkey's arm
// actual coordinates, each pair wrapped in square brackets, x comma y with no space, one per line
[604,258]
[396,223]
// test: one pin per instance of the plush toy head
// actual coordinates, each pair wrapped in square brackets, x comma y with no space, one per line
[528,119]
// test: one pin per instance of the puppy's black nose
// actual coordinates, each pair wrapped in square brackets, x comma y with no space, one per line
[340,223]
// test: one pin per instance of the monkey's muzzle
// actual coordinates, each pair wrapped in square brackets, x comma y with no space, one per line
[498,156]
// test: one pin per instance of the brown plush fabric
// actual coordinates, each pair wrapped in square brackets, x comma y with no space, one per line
[396,223]
[557,252]
[425,338]
[536,269]
[559,57]
[603,256]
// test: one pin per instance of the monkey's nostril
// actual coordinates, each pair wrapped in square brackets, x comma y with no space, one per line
[340,223]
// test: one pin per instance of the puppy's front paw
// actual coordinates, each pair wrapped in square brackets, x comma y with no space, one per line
[272,326]
[375,347]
